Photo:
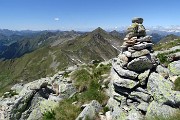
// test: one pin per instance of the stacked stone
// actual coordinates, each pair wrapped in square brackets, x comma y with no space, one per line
[139,88]
[130,73]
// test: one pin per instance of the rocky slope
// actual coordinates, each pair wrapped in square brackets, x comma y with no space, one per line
[31,100]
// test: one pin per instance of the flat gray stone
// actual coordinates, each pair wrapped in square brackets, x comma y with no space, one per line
[140,64]
[125,73]
[142,46]
[125,83]
[140,96]
[147,38]
[140,53]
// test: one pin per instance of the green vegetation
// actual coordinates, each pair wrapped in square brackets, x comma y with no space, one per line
[177,84]
[49,115]
[173,117]
[163,57]
[66,74]
[66,110]
[105,109]
[164,46]
[88,83]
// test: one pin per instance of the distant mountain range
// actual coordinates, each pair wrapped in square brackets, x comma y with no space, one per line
[30,55]
[48,52]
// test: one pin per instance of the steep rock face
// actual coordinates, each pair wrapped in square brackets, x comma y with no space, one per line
[136,91]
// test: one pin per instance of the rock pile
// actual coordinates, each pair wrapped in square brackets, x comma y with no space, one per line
[137,90]
[29,101]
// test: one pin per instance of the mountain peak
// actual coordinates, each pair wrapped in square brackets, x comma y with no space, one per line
[99,30]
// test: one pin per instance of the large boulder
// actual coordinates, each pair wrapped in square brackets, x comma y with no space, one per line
[14,107]
[158,110]
[174,67]
[43,106]
[140,64]
[161,90]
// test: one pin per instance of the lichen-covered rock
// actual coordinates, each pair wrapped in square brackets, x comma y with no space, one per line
[155,110]
[125,73]
[163,71]
[35,85]
[134,115]
[44,106]
[143,76]
[90,111]
[161,89]
[143,106]
[14,107]
[17,87]
[140,96]
[174,67]
[125,83]
[119,114]
[140,64]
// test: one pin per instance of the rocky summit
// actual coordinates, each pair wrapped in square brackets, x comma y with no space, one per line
[138,88]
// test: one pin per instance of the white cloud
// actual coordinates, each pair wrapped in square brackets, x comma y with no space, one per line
[56,19]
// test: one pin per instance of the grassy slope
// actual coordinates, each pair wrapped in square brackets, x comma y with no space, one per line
[165,46]
[87,81]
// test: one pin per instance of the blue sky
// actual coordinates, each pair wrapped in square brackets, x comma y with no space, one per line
[85,14]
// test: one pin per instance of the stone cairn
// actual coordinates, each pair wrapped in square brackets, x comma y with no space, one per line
[140,88]
[129,98]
